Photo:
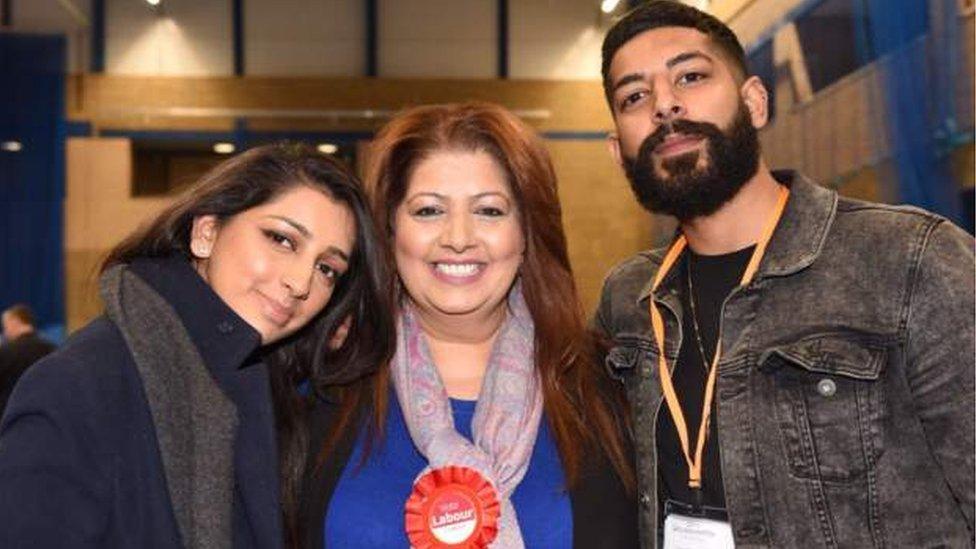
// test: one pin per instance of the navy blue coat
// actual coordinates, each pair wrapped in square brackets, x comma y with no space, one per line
[15,357]
[80,465]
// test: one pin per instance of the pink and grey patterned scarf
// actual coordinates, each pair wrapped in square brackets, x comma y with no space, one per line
[506,418]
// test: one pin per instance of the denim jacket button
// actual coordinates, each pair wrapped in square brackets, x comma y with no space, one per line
[826,387]
[751,531]
[645,500]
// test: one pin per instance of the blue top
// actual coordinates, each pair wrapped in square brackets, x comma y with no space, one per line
[366,509]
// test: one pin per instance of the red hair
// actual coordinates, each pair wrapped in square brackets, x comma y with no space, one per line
[581,415]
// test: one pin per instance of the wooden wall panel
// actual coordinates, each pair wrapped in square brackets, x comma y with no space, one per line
[862,185]
[99,212]
[783,141]
[81,287]
[963,162]
[155,102]
[603,222]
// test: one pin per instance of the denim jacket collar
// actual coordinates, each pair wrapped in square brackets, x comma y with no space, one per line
[797,240]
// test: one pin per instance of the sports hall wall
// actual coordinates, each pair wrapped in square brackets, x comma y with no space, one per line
[332,71]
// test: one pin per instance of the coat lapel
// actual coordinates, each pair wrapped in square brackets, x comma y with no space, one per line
[195,422]
[256,463]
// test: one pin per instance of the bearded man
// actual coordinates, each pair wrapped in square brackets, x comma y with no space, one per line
[800,366]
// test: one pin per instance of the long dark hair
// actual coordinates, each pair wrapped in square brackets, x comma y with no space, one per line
[362,295]
[582,416]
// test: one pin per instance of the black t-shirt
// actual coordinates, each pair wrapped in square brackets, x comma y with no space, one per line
[712,278]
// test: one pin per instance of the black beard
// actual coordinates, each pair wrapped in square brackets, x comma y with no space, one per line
[689,191]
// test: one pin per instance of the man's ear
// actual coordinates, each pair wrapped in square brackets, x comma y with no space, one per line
[613,145]
[756,99]
[203,235]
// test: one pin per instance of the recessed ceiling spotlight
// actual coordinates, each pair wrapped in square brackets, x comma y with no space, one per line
[328,148]
[153,3]
[12,146]
[607,6]
[224,148]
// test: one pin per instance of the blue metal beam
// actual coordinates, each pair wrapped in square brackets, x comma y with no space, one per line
[502,38]
[372,25]
[237,14]
[240,134]
[78,128]
[98,36]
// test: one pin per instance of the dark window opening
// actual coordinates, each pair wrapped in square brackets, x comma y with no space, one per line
[837,37]
[161,167]
[164,166]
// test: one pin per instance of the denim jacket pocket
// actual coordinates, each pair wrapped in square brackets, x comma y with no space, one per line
[828,404]
[628,356]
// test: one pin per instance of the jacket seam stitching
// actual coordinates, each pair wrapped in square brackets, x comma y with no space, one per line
[921,245]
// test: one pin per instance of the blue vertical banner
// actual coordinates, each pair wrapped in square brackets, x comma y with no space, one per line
[917,112]
[32,138]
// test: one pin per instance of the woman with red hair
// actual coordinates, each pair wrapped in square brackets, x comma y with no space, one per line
[493,425]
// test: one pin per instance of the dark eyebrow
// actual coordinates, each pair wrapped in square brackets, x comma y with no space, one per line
[478,196]
[331,250]
[435,195]
[686,56]
[491,193]
[670,63]
[632,77]
[294,224]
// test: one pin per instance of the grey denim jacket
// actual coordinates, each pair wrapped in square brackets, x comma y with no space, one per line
[845,392]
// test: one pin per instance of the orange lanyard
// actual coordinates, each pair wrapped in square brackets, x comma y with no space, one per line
[657,322]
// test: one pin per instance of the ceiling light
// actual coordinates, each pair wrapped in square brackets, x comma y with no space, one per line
[607,6]
[224,148]
[12,146]
[328,148]
[153,3]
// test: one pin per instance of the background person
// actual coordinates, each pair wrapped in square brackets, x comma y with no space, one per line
[829,340]
[154,426]
[21,347]
[494,368]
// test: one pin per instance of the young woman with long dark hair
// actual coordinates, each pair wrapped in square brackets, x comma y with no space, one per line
[173,420]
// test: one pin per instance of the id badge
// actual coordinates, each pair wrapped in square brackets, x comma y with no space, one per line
[689,528]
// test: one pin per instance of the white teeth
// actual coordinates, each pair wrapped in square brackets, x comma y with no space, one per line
[457,269]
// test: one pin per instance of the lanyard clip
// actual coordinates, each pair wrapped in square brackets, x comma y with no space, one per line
[697,499]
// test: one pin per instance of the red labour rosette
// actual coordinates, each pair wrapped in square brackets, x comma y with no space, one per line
[452,507]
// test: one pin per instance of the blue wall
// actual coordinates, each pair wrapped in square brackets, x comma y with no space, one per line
[32,180]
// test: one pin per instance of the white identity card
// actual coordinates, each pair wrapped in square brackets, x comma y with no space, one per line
[683,532]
